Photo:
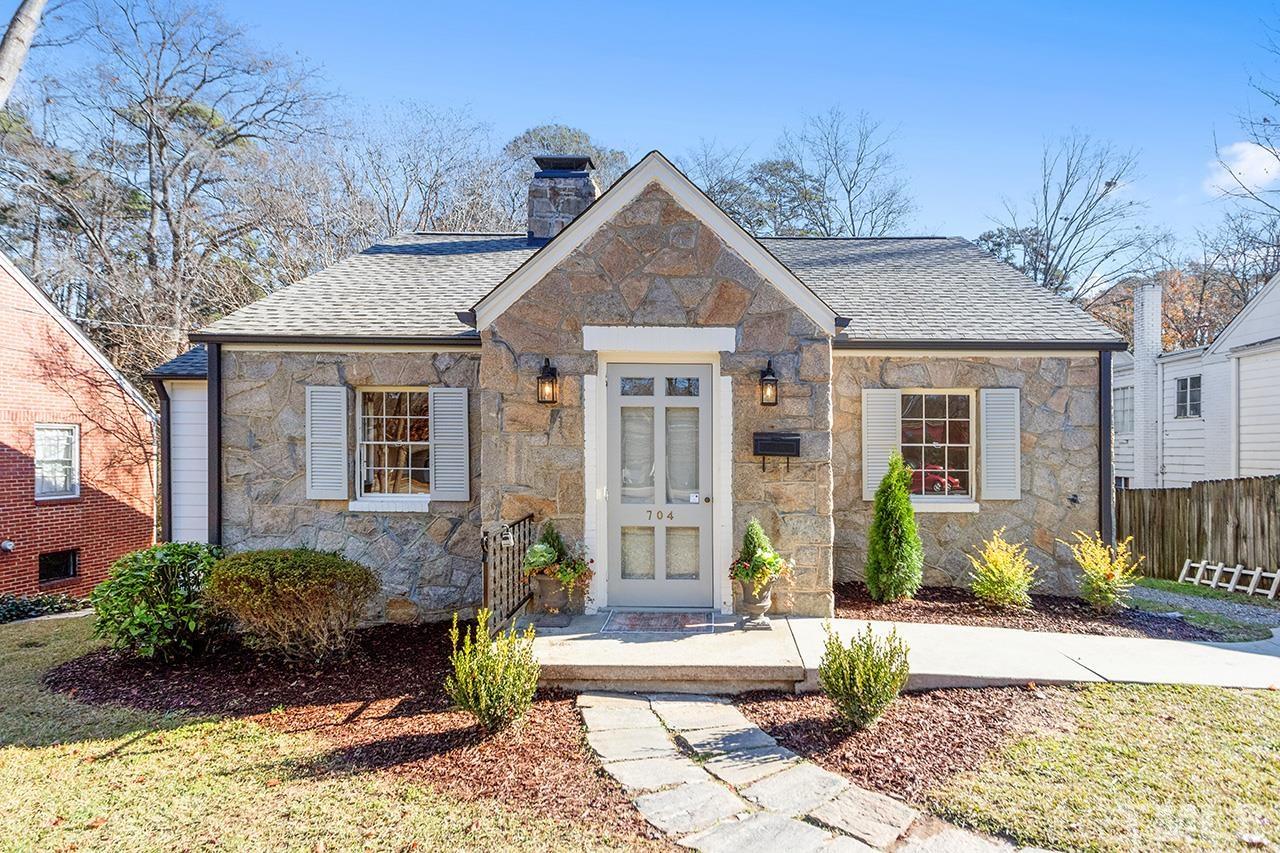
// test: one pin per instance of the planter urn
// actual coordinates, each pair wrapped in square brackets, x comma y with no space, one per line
[756,606]
[552,595]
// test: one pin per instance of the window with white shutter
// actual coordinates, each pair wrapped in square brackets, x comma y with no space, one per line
[881,426]
[1001,443]
[327,442]
[450,445]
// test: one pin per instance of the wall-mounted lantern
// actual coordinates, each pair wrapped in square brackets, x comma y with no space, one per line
[768,386]
[548,385]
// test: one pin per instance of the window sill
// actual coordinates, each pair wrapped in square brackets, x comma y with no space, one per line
[57,499]
[935,505]
[417,503]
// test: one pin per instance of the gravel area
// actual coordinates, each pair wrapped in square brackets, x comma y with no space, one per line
[383,708]
[953,606]
[1256,615]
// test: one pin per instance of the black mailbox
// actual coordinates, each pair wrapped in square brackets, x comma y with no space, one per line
[775,444]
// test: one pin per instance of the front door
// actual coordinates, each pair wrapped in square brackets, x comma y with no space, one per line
[659,486]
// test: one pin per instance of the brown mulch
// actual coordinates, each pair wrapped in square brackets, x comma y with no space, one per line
[382,708]
[954,606]
[922,740]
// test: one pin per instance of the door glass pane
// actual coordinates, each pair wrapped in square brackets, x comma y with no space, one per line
[637,553]
[682,386]
[683,553]
[682,454]
[637,455]
[637,386]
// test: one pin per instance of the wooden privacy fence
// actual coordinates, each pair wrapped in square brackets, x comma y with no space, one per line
[505,587]
[1229,521]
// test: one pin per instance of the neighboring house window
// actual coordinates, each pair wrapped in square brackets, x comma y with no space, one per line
[57,461]
[58,565]
[937,431]
[1188,401]
[394,447]
[1122,483]
[1123,404]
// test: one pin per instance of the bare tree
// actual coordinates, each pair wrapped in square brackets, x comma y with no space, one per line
[1081,232]
[724,175]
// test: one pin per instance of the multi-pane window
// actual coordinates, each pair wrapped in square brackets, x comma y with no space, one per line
[58,565]
[937,433]
[1188,399]
[57,459]
[1123,404]
[395,451]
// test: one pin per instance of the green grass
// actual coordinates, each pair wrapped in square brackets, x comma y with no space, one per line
[74,775]
[1141,768]
[1209,592]
[1231,630]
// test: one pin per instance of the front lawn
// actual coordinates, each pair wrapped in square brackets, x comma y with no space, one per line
[270,775]
[1209,592]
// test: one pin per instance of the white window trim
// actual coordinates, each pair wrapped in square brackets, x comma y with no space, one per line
[950,503]
[1117,408]
[75,461]
[1177,390]
[376,502]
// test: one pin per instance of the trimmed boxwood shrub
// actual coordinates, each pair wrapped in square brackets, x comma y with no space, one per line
[492,677]
[864,677]
[293,601]
[152,604]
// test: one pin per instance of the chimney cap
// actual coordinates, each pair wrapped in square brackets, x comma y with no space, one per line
[564,162]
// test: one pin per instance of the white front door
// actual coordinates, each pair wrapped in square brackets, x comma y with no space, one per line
[659,485]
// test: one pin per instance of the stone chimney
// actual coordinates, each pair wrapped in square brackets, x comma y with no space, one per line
[562,188]
[1147,346]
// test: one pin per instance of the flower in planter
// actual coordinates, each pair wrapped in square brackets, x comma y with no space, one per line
[550,556]
[758,564]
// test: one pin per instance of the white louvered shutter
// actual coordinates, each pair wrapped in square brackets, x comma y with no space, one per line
[1001,442]
[450,445]
[327,462]
[881,435]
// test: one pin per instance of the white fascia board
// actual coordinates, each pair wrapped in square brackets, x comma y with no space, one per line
[74,331]
[652,339]
[654,168]
[1220,342]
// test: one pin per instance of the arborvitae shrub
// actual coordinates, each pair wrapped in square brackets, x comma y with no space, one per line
[895,557]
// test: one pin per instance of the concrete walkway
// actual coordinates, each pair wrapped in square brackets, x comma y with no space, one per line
[729,660]
[702,773]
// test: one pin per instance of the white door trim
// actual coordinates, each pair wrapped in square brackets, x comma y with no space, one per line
[660,339]
[595,405]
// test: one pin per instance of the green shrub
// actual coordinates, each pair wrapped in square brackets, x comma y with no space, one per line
[14,607]
[1106,574]
[493,679]
[895,557]
[152,601]
[293,601]
[1002,575]
[863,678]
[757,562]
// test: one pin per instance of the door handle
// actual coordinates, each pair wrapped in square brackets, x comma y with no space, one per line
[706,500]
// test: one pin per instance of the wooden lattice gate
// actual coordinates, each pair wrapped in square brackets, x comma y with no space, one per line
[506,590]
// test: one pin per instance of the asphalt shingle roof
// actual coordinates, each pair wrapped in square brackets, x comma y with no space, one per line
[892,289]
[192,364]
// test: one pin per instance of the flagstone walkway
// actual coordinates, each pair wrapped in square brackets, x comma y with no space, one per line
[701,772]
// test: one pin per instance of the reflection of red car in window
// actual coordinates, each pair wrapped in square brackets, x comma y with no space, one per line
[935,480]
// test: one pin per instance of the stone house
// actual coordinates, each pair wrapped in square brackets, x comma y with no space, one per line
[650,376]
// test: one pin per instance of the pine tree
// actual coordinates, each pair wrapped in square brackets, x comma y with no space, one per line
[895,557]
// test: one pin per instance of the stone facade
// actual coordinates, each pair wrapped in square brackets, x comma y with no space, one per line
[655,264]
[429,563]
[1059,401]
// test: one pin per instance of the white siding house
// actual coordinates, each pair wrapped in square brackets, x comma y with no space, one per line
[1216,411]
[183,389]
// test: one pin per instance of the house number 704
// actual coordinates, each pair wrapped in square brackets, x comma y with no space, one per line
[668,515]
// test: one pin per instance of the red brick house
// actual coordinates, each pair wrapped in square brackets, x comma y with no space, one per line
[77,484]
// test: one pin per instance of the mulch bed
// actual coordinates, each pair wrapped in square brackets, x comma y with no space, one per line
[950,605]
[383,708]
[922,740]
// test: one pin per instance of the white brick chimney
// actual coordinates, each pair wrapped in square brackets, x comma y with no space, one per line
[1147,346]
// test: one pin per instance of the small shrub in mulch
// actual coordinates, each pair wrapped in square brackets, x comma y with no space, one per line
[1002,573]
[954,606]
[864,677]
[382,708]
[492,679]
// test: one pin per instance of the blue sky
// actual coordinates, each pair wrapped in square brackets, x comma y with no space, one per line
[973,89]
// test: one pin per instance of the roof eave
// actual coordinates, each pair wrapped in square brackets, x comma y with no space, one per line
[463,340]
[1108,345]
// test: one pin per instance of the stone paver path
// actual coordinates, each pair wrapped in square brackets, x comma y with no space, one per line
[700,771]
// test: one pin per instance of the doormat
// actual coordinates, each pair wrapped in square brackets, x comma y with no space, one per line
[652,622]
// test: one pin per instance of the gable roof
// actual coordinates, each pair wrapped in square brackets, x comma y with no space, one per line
[1220,342]
[653,168]
[42,299]
[192,364]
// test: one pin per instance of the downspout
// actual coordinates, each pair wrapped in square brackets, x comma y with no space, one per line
[215,442]
[1106,479]
[166,483]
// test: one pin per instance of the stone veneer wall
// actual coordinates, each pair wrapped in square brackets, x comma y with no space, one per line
[655,264]
[1059,459]
[429,563]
